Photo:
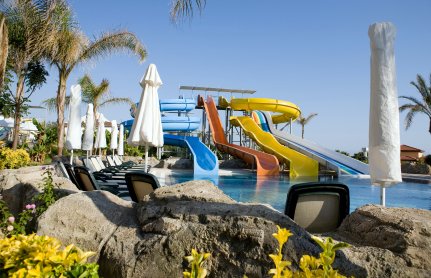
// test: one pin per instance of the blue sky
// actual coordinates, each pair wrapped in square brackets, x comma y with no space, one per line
[313,53]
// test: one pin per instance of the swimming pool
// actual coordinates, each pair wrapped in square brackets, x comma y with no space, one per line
[246,187]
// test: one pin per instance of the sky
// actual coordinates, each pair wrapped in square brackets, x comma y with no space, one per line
[315,54]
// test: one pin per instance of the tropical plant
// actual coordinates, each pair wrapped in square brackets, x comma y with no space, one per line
[43,256]
[422,105]
[46,137]
[303,121]
[196,261]
[71,48]
[31,32]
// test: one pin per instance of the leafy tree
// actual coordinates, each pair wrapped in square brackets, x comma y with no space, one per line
[303,121]
[30,28]
[422,105]
[4,40]
[343,152]
[71,48]
[360,156]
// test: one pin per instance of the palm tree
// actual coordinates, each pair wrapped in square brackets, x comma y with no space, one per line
[422,105]
[72,48]
[31,31]
[303,121]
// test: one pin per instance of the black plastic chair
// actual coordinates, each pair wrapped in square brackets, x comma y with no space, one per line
[140,184]
[87,182]
[71,174]
[318,207]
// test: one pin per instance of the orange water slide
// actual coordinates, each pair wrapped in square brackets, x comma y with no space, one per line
[265,164]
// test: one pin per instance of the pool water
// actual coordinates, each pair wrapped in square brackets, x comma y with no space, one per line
[246,187]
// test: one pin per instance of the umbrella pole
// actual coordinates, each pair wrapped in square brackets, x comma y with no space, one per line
[113,153]
[71,157]
[383,196]
[87,155]
[146,158]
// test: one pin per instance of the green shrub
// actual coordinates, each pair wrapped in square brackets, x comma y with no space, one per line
[11,159]
[41,256]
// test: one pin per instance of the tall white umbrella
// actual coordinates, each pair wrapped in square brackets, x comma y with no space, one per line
[100,142]
[120,150]
[88,139]
[114,136]
[73,137]
[384,133]
[147,126]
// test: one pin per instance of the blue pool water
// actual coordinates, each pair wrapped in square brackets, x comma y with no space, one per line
[244,187]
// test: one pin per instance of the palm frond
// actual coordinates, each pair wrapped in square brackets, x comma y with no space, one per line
[116,100]
[425,109]
[409,117]
[181,9]
[112,42]
[51,103]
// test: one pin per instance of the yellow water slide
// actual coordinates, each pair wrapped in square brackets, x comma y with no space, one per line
[299,164]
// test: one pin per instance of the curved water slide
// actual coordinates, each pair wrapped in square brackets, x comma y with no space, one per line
[331,159]
[300,165]
[205,162]
[265,164]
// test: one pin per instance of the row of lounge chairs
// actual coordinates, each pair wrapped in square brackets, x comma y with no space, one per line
[126,180]
[317,207]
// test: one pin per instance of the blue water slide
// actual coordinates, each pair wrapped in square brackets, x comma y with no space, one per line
[332,159]
[205,161]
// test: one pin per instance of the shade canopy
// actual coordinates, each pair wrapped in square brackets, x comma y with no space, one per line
[28,126]
[384,133]
[147,126]
[114,135]
[88,139]
[120,150]
[100,141]
[73,137]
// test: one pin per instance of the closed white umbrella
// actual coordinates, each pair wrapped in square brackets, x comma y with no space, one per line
[100,141]
[114,137]
[384,133]
[120,150]
[73,137]
[88,139]
[147,126]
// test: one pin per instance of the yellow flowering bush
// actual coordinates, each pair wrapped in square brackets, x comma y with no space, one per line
[310,267]
[11,159]
[41,256]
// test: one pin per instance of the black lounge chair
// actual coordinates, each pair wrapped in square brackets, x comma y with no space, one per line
[318,207]
[87,182]
[71,174]
[140,184]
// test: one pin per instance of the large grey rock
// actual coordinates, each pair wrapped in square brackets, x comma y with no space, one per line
[19,186]
[396,242]
[175,163]
[150,239]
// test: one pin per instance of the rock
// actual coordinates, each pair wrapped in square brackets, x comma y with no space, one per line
[19,186]
[396,242]
[154,238]
[416,168]
[151,238]
[175,163]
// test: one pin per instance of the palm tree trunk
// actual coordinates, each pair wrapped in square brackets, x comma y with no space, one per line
[3,49]
[61,99]
[18,103]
